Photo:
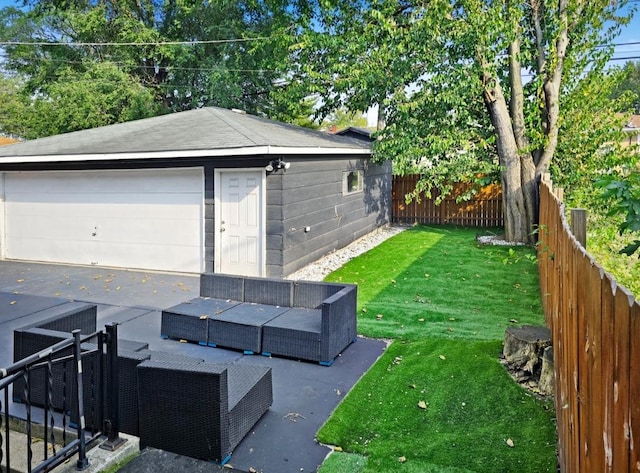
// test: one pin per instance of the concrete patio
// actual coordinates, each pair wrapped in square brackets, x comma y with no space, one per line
[304,393]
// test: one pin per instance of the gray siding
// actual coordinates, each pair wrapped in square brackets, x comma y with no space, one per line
[310,195]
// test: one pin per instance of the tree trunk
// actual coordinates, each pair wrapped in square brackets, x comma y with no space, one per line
[531,198]
[382,113]
[547,382]
[527,163]
[516,225]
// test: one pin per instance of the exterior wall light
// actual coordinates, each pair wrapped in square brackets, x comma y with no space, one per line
[277,164]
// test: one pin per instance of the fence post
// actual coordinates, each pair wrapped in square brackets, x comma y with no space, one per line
[7,442]
[112,392]
[83,462]
[579,226]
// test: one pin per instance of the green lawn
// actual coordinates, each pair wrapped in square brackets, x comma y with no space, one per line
[439,400]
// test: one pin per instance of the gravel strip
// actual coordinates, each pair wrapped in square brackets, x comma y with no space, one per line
[317,270]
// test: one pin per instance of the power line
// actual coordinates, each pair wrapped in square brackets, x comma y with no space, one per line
[168,67]
[191,43]
[141,43]
[628,58]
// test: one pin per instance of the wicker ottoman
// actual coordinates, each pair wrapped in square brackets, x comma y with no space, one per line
[190,320]
[241,326]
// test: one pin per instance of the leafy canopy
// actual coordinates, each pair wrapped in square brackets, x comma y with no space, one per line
[439,70]
[185,54]
[629,85]
[623,196]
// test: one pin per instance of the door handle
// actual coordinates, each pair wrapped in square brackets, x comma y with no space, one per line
[221,229]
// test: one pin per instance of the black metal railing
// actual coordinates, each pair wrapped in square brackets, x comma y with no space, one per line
[81,374]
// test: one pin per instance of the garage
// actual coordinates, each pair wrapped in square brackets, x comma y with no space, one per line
[205,190]
[139,219]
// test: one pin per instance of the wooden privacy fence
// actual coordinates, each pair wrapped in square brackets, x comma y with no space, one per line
[484,210]
[595,327]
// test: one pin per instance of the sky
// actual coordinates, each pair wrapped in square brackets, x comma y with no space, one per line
[630,34]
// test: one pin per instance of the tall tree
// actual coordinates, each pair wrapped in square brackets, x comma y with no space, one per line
[101,95]
[466,85]
[189,53]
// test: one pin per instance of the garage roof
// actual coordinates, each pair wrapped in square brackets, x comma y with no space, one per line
[209,131]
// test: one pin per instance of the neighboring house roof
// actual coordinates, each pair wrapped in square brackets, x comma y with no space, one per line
[355,132]
[205,132]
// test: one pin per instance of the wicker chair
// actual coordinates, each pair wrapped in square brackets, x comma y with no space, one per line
[200,410]
[128,362]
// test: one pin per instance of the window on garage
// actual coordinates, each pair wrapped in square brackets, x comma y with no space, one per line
[352,181]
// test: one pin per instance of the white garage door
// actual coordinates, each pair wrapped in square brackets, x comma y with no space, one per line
[143,219]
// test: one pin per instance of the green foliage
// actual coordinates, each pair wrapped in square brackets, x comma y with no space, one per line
[186,54]
[101,94]
[12,107]
[624,197]
[604,242]
[464,87]
[630,85]
[299,113]
[591,135]
[342,118]
[515,257]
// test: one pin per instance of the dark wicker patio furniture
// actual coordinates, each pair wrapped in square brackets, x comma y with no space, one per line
[57,325]
[200,410]
[300,319]
[240,327]
[320,326]
[128,362]
[190,320]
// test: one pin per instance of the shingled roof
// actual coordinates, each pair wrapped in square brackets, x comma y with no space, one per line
[209,131]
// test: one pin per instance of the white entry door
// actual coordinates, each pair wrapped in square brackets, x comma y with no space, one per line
[240,222]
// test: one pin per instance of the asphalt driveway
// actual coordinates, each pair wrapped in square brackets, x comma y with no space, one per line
[304,394]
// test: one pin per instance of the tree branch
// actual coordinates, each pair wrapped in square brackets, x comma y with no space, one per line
[541,61]
[536,15]
[516,103]
[551,89]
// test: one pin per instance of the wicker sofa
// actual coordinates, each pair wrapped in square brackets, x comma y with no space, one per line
[305,320]
[200,410]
